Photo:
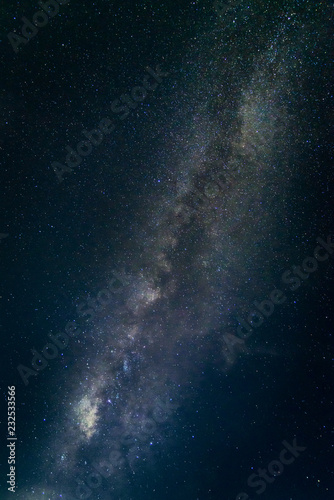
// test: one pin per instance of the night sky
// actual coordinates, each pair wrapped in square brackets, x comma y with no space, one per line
[167,249]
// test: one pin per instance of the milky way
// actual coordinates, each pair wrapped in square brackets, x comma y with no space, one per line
[200,254]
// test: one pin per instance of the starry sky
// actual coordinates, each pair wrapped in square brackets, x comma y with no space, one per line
[166,249]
